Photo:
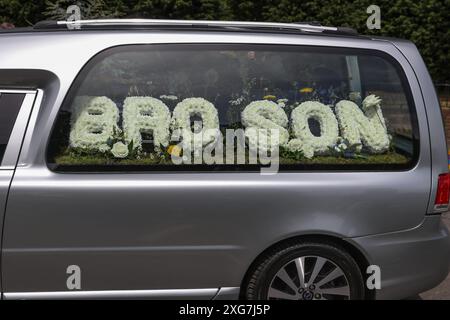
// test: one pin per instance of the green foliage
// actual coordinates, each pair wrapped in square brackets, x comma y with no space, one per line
[22,12]
[391,158]
[181,9]
[90,9]
[285,153]
[425,22]
[76,159]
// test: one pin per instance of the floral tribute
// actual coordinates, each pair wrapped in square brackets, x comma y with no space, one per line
[146,115]
[269,116]
[344,128]
[94,122]
[363,127]
[304,140]
[208,126]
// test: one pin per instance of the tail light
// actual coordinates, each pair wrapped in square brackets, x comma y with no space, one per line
[443,192]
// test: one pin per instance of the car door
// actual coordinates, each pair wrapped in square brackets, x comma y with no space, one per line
[15,108]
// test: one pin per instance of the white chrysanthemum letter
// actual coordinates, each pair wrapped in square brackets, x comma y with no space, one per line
[146,115]
[365,127]
[306,142]
[269,117]
[93,122]
[181,120]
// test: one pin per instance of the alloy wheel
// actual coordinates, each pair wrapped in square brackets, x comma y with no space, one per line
[309,278]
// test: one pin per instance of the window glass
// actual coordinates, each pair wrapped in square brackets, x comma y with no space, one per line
[10,104]
[213,107]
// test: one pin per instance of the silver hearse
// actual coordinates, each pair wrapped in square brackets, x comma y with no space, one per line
[133,157]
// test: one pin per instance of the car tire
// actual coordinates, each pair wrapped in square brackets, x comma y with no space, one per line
[277,274]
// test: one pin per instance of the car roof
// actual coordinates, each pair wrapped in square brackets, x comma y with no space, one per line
[110,25]
[106,25]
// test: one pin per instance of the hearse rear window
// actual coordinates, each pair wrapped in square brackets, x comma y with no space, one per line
[233,107]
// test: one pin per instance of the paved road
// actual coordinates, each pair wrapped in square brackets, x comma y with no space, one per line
[441,292]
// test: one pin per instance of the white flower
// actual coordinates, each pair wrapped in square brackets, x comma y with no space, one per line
[181,120]
[372,105]
[262,120]
[282,102]
[363,128]
[329,131]
[237,101]
[168,97]
[93,123]
[119,150]
[371,101]
[146,115]
[342,146]
[103,148]
[355,96]
[308,151]
[299,145]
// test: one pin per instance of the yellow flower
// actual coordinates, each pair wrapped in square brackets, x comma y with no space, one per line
[269,97]
[174,150]
[306,90]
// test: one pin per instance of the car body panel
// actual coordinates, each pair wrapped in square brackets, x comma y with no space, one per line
[5,180]
[411,261]
[12,150]
[438,142]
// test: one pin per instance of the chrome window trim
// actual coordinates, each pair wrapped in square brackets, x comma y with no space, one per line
[12,151]
[207,293]
[187,23]
[32,123]
[16,91]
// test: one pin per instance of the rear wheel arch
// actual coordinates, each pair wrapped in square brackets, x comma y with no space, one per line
[351,249]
